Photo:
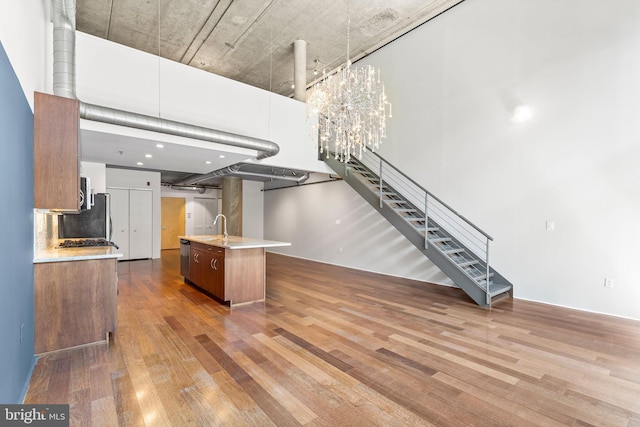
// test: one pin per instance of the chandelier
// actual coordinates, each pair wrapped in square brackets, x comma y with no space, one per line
[351,109]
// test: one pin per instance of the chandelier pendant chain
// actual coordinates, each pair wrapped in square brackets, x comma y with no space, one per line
[348,34]
[350,108]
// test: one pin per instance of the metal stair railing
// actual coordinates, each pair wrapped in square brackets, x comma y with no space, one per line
[455,224]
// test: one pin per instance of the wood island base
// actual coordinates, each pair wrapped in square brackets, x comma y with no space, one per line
[232,270]
[233,276]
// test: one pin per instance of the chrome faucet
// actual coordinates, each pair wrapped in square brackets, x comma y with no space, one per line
[226,235]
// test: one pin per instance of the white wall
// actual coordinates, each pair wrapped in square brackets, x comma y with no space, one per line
[189,202]
[252,206]
[454,83]
[116,76]
[97,173]
[25,35]
[331,223]
[252,209]
[125,178]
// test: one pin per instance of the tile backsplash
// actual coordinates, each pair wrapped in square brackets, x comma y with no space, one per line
[45,230]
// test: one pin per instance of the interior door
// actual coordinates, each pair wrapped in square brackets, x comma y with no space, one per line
[140,224]
[120,219]
[204,212]
[172,220]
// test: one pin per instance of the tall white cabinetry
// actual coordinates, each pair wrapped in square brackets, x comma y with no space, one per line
[204,212]
[132,216]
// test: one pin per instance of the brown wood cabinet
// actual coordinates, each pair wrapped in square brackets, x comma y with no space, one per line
[207,268]
[75,303]
[216,273]
[234,275]
[197,272]
[56,153]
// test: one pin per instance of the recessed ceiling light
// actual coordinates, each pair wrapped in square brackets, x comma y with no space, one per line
[221,156]
[160,145]
[139,163]
[148,156]
[522,113]
[208,162]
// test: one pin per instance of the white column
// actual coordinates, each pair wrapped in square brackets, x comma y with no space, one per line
[300,70]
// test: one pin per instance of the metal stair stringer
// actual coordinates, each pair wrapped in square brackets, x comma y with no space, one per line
[366,183]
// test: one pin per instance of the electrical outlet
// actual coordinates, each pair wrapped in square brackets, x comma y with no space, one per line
[608,283]
[551,225]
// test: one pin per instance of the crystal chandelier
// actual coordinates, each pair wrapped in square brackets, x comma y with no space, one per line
[351,109]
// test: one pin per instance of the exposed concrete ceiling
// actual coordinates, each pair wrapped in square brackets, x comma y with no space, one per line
[251,41]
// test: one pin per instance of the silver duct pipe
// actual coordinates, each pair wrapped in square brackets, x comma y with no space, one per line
[64,48]
[64,84]
[200,190]
[299,179]
[170,127]
[235,170]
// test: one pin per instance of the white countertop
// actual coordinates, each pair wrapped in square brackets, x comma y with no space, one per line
[234,242]
[75,254]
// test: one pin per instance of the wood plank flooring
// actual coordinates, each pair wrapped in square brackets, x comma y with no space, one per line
[338,347]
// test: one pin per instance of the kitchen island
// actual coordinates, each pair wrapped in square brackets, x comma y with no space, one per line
[231,269]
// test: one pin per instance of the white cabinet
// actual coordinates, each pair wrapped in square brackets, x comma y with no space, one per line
[132,216]
[204,212]
[120,219]
[140,224]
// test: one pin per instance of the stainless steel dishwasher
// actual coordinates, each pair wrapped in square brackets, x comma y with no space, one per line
[185,255]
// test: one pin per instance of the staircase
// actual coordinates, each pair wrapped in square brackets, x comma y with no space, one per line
[455,245]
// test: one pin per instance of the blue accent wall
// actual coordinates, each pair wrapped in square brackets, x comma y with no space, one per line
[16,232]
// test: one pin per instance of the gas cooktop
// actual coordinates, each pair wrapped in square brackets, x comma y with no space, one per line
[81,243]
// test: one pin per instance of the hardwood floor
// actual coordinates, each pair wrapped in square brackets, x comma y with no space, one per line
[337,347]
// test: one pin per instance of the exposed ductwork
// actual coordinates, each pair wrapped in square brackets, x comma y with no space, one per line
[299,179]
[235,170]
[64,84]
[200,190]
[156,124]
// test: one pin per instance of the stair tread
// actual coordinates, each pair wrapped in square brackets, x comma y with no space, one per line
[395,201]
[440,239]
[453,251]
[481,279]
[498,288]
